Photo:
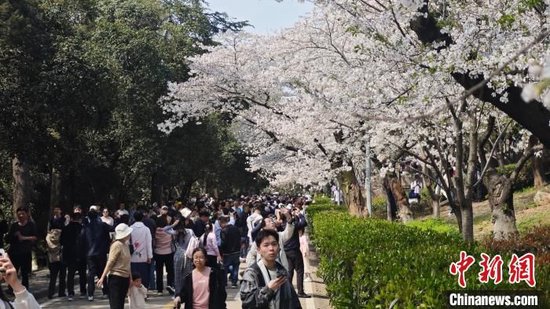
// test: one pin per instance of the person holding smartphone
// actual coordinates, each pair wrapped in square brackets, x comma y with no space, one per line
[265,283]
[8,274]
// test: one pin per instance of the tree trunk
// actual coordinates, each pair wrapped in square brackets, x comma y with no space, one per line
[538,173]
[467,214]
[55,189]
[156,188]
[436,208]
[458,215]
[502,205]
[391,205]
[188,185]
[353,197]
[434,197]
[21,183]
[404,212]
[538,169]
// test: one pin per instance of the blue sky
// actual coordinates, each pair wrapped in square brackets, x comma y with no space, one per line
[266,16]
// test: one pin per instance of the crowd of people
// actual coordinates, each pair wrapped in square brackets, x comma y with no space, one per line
[199,244]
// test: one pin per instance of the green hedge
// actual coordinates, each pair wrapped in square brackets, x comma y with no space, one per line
[374,263]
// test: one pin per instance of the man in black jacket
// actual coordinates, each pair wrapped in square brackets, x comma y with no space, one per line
[294,255]
[74,255]
[230,249]
[97,241]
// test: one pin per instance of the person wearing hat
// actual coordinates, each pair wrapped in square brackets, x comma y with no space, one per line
[118,267]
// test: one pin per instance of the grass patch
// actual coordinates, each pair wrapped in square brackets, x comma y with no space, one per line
[482,218]
[437,225]
[528,222]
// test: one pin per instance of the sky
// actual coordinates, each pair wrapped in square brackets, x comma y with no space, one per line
[267,16]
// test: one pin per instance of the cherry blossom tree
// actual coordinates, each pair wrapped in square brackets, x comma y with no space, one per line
[395,72]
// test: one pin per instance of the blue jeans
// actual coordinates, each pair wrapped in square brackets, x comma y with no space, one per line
[231,264]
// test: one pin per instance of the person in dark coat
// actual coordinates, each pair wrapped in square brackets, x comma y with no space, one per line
[266,283]
[204,286]
[96,243]
[22,236]
[74,254]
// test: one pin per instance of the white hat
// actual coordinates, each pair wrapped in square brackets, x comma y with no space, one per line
[93,208]
[122,230]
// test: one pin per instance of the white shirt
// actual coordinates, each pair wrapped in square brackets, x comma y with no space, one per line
[136,297]
[142,242]
[109,220]
[23,300]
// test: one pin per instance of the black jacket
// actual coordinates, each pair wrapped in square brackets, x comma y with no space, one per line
[71,240]
[294,242]
[21,246]
[231,240]
[216,287]
[96,240]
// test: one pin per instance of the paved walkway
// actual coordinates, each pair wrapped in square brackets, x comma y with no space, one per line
[315,287]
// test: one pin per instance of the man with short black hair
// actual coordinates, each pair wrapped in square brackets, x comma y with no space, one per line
[21,236]
[74,255]
[266,283]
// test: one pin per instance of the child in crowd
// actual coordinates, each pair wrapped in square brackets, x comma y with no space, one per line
[137,294]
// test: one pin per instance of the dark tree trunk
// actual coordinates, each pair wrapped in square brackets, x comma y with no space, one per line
[22,185]
[502,205]
[538,169]
[55,189]
[156,188]
[353,196]
[538,173]
[404,212]
[391,204]
[458,215]
[430,186]
[186,189]
[467,214]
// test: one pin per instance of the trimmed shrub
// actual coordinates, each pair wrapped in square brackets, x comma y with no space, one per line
[438,225]
[374,263]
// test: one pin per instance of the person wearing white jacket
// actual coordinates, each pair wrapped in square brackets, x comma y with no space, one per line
[23,299]
[269,224]
[142,245]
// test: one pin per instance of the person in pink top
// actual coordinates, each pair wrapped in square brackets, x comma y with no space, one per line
[203,288]
[208,239]
[163,254]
